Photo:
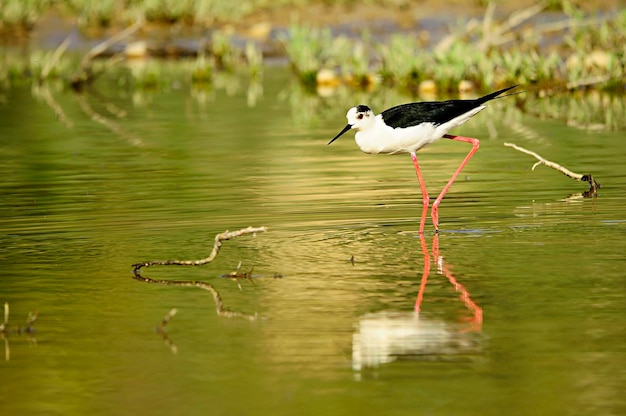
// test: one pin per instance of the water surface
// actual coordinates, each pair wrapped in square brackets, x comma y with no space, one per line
[120,177]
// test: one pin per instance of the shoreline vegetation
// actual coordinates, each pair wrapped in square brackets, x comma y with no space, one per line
[548,46]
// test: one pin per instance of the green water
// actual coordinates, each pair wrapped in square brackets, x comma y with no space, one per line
[93,183]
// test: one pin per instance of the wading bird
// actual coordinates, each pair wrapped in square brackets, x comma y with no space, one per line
[407,128]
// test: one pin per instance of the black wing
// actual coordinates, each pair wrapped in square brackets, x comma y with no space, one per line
[436,112]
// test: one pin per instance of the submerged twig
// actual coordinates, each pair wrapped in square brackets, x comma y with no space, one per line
[493,36]
[226,235]
[593,80]
[84,74]
[6,330]
[593,185]
[219,305]
[238,275]
[44,92]
[110,124]
[160,329]
[6,316]
[54,59]
[543,29]
[166,319]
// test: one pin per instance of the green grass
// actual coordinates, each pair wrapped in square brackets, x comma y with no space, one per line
[21,14]
[586,51]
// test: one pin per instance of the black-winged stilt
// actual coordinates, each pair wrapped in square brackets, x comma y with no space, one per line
[407,128]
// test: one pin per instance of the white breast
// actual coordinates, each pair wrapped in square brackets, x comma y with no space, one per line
[380,138]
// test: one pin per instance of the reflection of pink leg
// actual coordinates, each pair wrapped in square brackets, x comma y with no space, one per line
[420,294]
[425,198]
[434,213]
[476,310]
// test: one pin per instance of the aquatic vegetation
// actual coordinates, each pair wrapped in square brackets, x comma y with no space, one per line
[142,71]
[585,110]
[146,74]
[577,51]
[359,69]
[90,13]
[454,64]
[254,60]
[308,50]
[222,52]
[400,59]
[103,13]
[7,330]
[222,55]
[201,70]
[21,15]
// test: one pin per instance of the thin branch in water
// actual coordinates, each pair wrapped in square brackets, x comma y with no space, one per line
[6,316]
[44,92]
[54,59]
[6,330]
[585,82]
[226,235]
[160,329]
[521,16]
[237,275]
[593,185]
[219,304]
[447,41]
[166,319]
[84,73]
[493,34]
[544,29]
[6,313]
[108,123]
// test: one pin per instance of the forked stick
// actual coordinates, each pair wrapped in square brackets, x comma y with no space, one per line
[83,74]
[593,185]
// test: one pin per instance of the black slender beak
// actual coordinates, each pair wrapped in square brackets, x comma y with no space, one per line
[345,129]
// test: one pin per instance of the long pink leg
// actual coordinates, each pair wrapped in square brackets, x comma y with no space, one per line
[420,294]
[434,214]
[477,311]
[425,198]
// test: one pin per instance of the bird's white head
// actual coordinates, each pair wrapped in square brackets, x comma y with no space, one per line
[360,117]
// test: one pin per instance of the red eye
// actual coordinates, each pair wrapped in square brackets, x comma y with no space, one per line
[360,116]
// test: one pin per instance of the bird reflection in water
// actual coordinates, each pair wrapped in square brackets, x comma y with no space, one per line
[384,337]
